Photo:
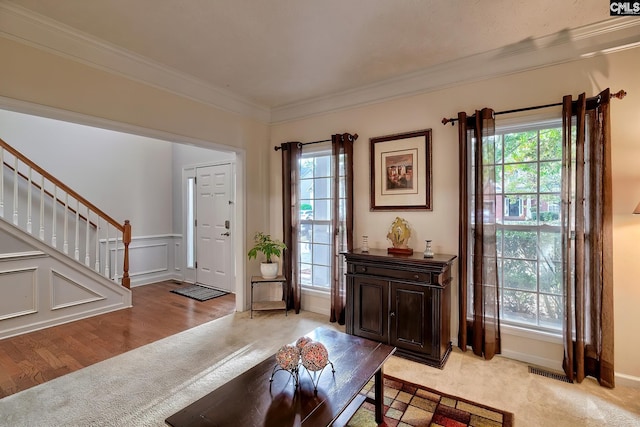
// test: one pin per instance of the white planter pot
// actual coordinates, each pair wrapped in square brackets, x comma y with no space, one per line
[269,270]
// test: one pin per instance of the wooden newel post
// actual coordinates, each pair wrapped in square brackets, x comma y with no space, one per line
[126,239]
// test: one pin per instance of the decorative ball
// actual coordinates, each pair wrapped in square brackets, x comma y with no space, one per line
[302,341]
[287,357]
[314,356]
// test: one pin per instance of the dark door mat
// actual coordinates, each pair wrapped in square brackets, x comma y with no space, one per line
[198,292]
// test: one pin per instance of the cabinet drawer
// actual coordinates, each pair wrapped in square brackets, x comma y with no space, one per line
[413,276]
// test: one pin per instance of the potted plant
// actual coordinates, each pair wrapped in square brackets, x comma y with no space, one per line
[270,248]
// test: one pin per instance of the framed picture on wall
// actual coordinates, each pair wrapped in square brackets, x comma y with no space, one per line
[401,171]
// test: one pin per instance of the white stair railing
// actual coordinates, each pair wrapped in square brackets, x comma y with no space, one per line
[26,188]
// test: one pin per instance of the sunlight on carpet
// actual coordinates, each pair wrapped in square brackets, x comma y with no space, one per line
[411,405]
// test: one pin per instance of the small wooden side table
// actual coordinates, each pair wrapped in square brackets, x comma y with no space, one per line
[270,305]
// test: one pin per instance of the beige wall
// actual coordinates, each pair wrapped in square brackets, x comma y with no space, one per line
[543,86]
[35,76]
[86,158]
[44,79]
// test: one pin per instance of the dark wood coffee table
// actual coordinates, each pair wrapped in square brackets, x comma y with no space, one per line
[251,400]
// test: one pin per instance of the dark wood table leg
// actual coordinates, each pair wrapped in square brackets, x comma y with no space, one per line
[379,392]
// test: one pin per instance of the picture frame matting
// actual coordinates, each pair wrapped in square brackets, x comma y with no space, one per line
[401,174]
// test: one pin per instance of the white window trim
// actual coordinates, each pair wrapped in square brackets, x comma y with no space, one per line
[314,151]
[535,122]
[532,334]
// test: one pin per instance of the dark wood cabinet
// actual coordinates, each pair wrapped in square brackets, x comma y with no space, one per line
[401,300]
[371,321]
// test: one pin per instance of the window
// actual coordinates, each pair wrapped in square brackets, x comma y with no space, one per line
[315,238]
[191,241]
[528,164]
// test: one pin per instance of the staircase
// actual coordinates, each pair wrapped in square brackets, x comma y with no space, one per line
[61,257]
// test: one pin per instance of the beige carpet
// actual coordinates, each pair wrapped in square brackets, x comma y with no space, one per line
[144,386]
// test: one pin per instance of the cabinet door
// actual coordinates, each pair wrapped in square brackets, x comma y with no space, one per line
[411,318]
[370,308]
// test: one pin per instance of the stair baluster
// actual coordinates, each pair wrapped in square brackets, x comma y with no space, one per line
[15,191]
[97,266]
[76,251]
[41,234]
[2,182]
[107,273]
[29,176]
[115,260]
[65,244]
[87,258]
[29,224]
[54,205]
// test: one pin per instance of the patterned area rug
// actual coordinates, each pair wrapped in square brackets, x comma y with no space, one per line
[411,405]
[200,293]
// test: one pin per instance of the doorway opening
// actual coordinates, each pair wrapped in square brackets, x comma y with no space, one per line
[158,248]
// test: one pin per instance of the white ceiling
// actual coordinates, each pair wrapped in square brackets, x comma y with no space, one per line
[273,54]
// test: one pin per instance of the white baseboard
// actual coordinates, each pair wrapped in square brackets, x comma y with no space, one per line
[621,379]
[627,381]
[59,321]
[154,278]
[541,362]
[316,302]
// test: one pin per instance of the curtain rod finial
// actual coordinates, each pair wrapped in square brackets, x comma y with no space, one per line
[445,121]
[619,94]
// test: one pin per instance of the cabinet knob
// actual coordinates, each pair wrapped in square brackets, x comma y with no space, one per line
[416,276]
[392,314]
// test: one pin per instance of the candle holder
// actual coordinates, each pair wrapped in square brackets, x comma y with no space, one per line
[428,251]
[365,244]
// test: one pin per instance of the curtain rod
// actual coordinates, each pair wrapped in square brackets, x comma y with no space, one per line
[278,147]
[620,94]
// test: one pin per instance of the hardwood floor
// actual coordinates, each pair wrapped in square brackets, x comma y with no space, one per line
[33,358]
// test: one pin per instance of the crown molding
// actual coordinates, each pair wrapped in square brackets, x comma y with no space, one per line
[597,39]
[27,27]
[601,38]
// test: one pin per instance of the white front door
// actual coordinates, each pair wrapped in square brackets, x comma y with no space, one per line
[214,265]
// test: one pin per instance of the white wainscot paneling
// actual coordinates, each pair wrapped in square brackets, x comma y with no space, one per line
[18,288]
[151,259]
[44,288]
[65,292]
[148,259]
[177,255]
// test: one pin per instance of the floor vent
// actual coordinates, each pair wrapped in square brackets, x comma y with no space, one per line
[549,374]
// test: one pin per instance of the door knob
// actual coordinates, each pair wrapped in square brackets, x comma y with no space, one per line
[226,234]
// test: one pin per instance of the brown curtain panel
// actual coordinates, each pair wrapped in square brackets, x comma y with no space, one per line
[342,219]
[587,236]
[479,312]
[290,220]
